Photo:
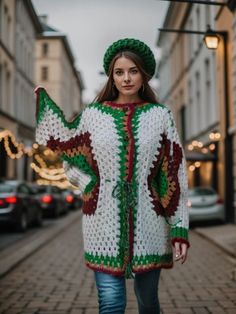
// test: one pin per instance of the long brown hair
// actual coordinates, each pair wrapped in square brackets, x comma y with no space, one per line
[109,91]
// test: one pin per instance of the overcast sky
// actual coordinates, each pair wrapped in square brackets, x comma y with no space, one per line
[92,25]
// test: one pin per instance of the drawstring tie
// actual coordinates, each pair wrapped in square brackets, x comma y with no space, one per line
[125,192]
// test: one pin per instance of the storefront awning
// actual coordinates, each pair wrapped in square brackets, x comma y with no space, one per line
[198,156]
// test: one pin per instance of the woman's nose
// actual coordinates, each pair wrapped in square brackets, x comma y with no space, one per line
[127,77]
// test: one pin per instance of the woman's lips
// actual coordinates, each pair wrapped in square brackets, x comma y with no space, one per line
[128,86]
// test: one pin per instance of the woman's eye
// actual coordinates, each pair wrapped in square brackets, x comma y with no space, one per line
[134,71]
[118,72]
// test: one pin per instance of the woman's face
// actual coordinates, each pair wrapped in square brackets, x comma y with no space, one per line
[127,77]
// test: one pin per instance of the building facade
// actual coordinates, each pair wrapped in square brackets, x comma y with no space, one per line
[18,27]
[31,54]
[56,71]
[192,83]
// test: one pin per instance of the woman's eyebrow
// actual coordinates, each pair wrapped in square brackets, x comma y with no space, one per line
[131,68]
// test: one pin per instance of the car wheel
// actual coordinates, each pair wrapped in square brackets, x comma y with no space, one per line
[23,222]
[56,212]
[39,219]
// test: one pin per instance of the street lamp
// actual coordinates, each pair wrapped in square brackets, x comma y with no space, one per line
[230,4]
[211,39]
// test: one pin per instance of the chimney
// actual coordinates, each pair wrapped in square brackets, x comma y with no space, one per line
[43,18]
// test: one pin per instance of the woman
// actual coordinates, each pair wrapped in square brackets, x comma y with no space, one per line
[124,153]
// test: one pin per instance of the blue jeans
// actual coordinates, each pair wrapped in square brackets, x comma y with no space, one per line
[112,292]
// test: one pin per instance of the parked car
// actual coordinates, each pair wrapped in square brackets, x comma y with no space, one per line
[18,205]
[51,200]
[73,199]
[205,204]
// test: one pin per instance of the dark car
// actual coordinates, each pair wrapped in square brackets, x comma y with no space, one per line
[72,199]
[18,205]
[51,200]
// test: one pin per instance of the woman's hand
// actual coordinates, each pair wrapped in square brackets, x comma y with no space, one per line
[180,251]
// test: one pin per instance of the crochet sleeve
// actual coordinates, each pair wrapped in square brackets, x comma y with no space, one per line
[52,129]
[178,184]
[63,137]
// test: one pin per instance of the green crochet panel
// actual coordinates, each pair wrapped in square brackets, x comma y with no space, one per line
[179,232]
[160,183]
[151,259]
[81,163]
[46,102]
[117,261]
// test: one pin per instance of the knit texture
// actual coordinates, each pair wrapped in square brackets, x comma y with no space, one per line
[130,166]
[134,45]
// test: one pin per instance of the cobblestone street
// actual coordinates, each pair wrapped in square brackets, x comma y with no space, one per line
[55,280]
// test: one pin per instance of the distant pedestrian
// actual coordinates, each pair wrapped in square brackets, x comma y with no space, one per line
[124,153]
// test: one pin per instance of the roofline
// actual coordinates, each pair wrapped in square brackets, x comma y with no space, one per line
[167,17]
[34,16]
[80,79]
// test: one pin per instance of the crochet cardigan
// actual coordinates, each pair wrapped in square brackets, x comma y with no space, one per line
[128,161]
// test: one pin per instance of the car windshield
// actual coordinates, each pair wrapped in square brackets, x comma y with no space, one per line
[201,191]
[41,189]
[6,188]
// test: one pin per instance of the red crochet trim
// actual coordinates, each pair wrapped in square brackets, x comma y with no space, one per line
[129,171]
[142,269]
[81,145]
[106,269]
[124,105]
[181,240]
[135,269]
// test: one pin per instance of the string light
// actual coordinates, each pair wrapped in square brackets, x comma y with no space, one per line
[61,184]
[45,173]
[54,176]
[212,146]
[5,136]
[191,167]
[214,136]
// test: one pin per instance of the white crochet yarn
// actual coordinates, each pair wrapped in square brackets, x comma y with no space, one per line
[102,230]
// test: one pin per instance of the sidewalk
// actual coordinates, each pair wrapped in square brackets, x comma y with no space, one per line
[223,236]
[11,256]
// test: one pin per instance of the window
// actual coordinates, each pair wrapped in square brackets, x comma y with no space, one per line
[190,41]
[4,29]
[23,189]
[198,113]
[0,85]
[208,89]
[207,15]
[45,49]
[8,90]
[198,22]
[44,73]
[183,123]
[0,18]
[189,112]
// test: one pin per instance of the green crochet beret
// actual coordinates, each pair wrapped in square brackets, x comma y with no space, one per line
[134,45]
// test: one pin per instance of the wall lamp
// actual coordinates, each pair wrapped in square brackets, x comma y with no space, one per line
[211,39]
[230,4]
